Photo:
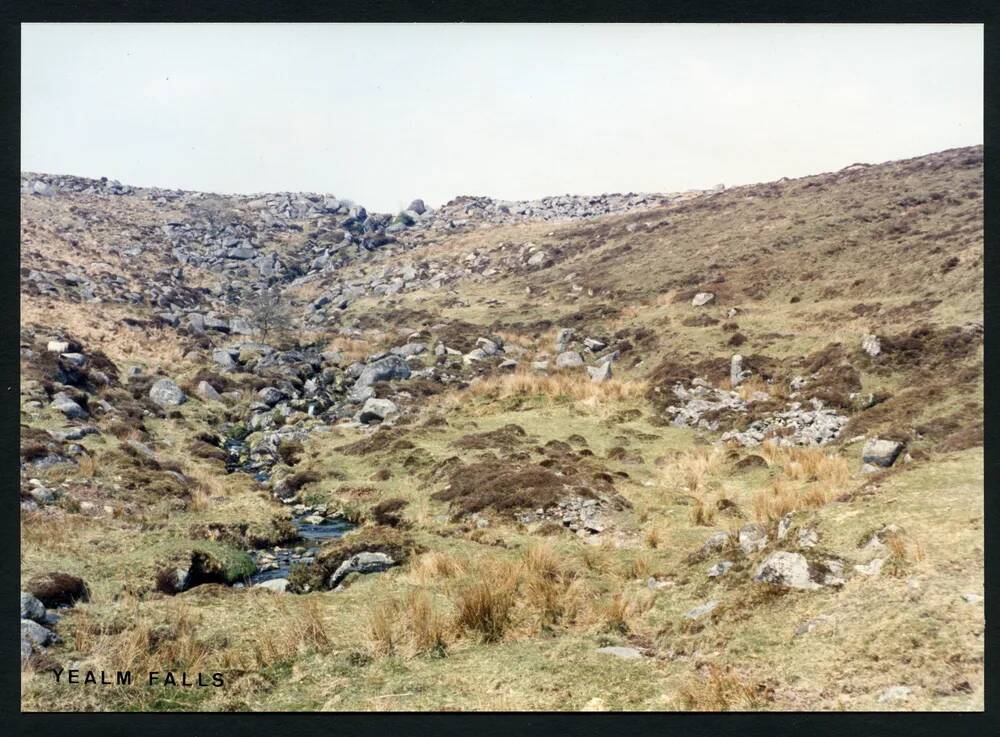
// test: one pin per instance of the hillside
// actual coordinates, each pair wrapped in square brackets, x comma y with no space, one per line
[714,450]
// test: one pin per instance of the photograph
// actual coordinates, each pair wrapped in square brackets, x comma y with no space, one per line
[500,367]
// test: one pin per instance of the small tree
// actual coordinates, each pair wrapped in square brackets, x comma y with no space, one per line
[269,314]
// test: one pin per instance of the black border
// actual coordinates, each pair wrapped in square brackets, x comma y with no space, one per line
[14,12]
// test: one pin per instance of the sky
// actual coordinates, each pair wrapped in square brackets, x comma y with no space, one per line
[384,113]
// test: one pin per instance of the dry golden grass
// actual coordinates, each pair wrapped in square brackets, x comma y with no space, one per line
[619,612]
[785,497]
[380,629]
[435,566]
[717,690]
[702,512]
[556,387]
[807,463]
[652,537]
[353,349]
[691,470]
[542,560]
[425,625]
[485,605]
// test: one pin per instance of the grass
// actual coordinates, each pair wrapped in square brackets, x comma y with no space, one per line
[559,386]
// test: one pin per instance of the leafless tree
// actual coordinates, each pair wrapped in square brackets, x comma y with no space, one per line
[269,313]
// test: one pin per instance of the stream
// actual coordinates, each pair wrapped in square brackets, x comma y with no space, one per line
[313,526]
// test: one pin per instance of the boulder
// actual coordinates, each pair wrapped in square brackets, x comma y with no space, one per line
[166,393]
[385,369]
[270,395]
[569,359]
[752,538]
[719,569]
[626,653]
[702,298]
[871,345]
[31,607]
[240,326]
[223,359]
[600,373]
[207,392]
[363,563]
[700,611]
[737,374]
[563,337]
[895,693]
[62,402]
[35,634]
[279,585]
[409,349]
[58,589]
[377,410]
[417,206]
[788,570]
[881,452]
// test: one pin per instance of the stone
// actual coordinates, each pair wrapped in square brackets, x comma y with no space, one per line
[207,392]
[43,189]
[410,349]
[417,206]
[881,452]
[594,345]
[34,633]
[75,433]
[223,359]
[57,346]
[539,258]
[895,693]
[31,607]
[279,585]
[241,326]
[972,598]
[270,395]
[384,369]
[166,393]
[62,402]
[871,345]
[377,410]
[600,373]
[752,538]
[626,653]
[788,570]
[719,569]
[700,611]
[569,359]
[737,374]
[872,568]
[42,495]
[702,298]
[364,563]
[808,538]
[563,338]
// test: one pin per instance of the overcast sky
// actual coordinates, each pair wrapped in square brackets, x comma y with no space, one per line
[385,113]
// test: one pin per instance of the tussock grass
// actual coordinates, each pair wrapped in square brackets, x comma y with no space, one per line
[560,386]
[485,605]
[717,689]
[691,470]
[436,566]
[807,463]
